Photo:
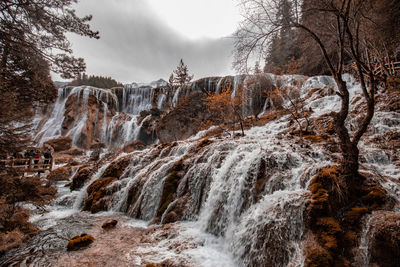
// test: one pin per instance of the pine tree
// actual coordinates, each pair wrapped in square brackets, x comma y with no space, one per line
[283,46]
[31,34]
[257,70]
[182,76]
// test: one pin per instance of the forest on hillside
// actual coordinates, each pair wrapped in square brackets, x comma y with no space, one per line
[95,81]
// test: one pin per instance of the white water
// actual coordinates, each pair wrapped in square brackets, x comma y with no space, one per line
[114,130]
[229,221]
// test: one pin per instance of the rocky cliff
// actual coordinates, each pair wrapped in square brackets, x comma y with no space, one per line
[148,113]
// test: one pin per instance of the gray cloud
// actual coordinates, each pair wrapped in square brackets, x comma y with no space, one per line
[135,45]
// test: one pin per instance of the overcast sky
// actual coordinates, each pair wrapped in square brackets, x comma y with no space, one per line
[143,40]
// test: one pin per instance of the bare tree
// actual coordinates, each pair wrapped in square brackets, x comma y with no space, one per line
[344,20]
[292,102]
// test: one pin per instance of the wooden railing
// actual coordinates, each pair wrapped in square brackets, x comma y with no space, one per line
[392,67]
[28,164]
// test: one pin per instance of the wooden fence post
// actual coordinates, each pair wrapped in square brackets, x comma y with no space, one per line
[51,163]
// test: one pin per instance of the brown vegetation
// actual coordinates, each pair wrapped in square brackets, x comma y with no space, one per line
[226,107]
[15,229]
[335,214]
[79,241]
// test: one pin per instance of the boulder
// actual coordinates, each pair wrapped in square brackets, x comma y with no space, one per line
[74,151]
[117,167]
[97,145]
[184,120]
[109,225]
[80,241]
[81,177]
[385,241]
[135,145]
[98,195]
[60,174]
[60,144]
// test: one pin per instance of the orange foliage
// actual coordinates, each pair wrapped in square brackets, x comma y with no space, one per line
[226,106]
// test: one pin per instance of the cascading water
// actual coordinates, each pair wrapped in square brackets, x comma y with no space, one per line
[113,118]
[244,199]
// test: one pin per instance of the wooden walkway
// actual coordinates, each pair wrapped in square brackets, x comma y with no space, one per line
[28,165]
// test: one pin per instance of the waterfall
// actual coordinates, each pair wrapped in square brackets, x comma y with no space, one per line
[75,118]
[137,99]
[239,201]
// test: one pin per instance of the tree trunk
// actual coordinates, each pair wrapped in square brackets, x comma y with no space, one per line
[349,164]
[349,149]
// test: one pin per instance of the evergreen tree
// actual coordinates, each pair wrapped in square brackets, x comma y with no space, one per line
[257,70]
[182,76]
[31,32]
[283,46]
[96,81]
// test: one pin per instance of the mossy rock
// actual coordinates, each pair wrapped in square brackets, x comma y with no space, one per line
[116,168]
[109,225]
[81,177]
[60,174]
[375,196]
[170,186]
[354,215]
[326,192]
[80,241]
[98,195]
[318,258]
[328,231]
[205,142]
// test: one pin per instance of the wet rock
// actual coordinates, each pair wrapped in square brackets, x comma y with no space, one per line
[60,174]
[95,116]
[135,145]
[203,143]
[60,144]
[97,145]
[176,210]
[385,241]
[117,167]
[80,241]
[99,195]
[153,112]
[95,155]
[81,177]
[75,151]
[109,225]
[184,120]
[170,186]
